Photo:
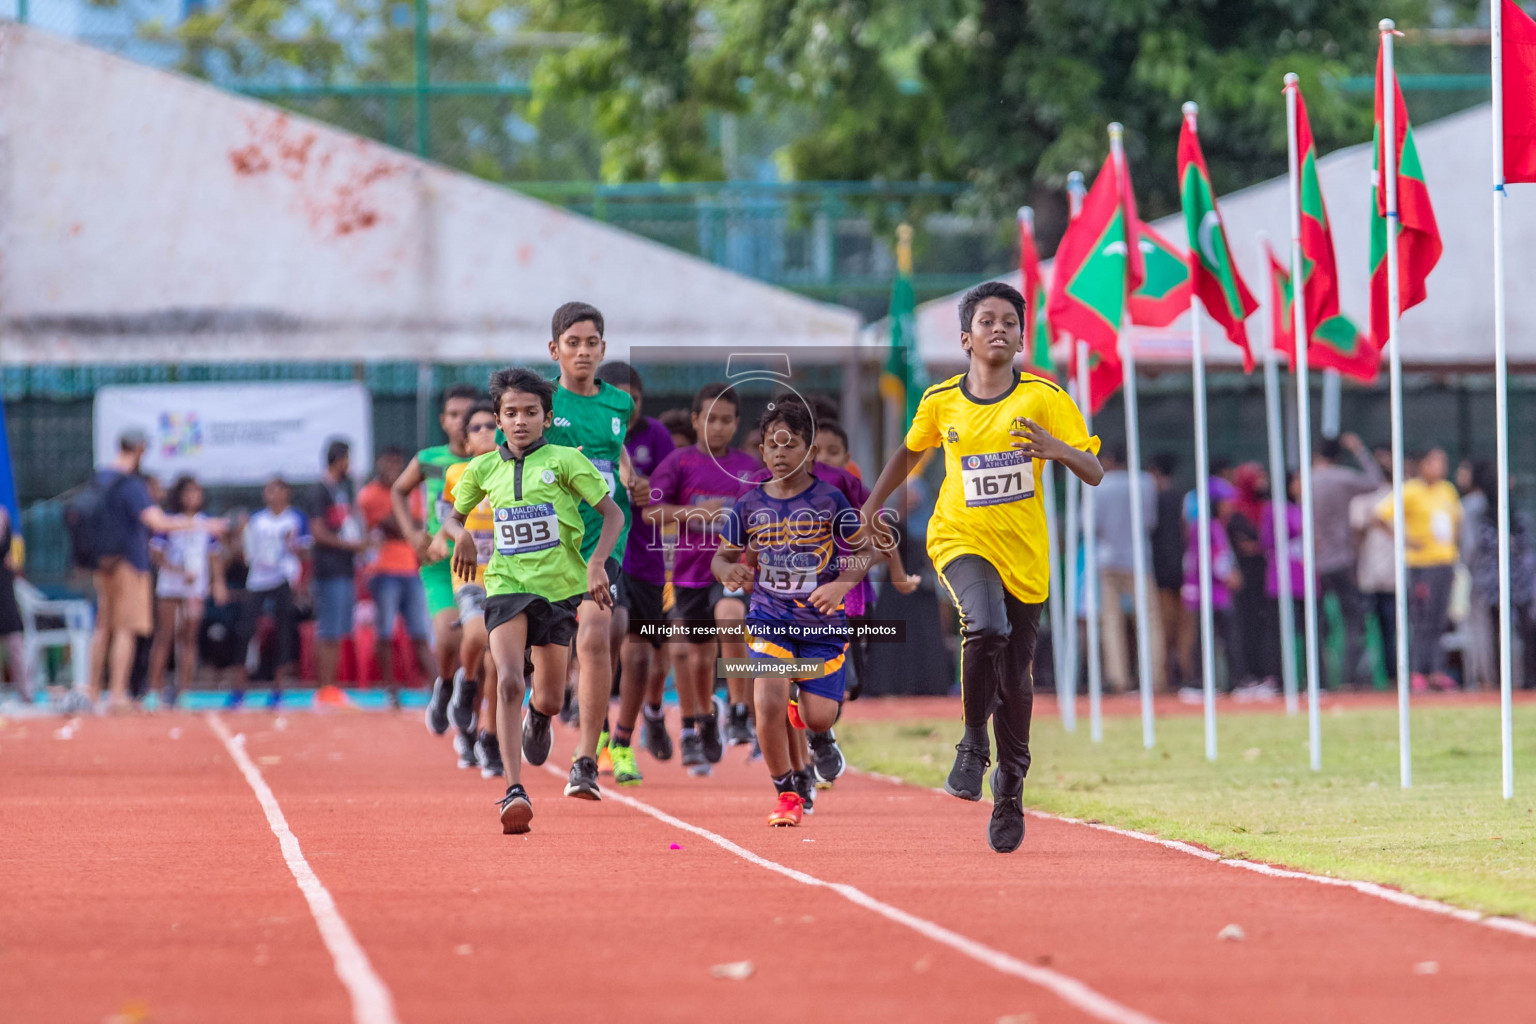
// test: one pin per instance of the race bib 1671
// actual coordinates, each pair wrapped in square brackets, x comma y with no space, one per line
[996,478]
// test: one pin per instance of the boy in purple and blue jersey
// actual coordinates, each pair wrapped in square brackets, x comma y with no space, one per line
[692,488]
[804,552]
[643,662]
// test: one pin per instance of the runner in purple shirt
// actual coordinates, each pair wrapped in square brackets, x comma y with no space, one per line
[690,488]
[644,661]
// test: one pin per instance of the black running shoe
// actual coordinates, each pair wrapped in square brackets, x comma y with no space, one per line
[464,746]
[583,782]
[828,757]
[805,785]
[965,777]
[537,736]
[570,711]
[462,705]
[738,730]
[709,733]
[488,753]
[168,694]
[654,736]
[437,707]
[693,754]
[516,810]
[1006,830]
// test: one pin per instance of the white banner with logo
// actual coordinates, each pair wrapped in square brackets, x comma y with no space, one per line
[237,433]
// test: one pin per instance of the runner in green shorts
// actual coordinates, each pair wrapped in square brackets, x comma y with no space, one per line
[593,416]
[426,471]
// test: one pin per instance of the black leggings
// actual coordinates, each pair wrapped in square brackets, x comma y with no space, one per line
[284,618]
[997,655]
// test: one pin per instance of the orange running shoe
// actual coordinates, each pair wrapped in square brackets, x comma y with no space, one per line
[794,715]
[604,758]
[790,810]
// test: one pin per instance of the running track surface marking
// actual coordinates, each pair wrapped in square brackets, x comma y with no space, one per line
[143,876]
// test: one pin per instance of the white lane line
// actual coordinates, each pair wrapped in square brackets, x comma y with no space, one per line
[1065,987]
[371,1001]
[1512,925]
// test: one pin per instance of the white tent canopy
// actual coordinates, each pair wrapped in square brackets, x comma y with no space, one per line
[1453,328]
[147,217]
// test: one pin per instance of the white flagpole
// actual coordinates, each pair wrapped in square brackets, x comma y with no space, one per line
[1203,510]
[1068,698]
[1048,498]
[1090,567]
[1066,683]
[1399,533]
[1282,528]
[1303,446]
[1138,525]
[1501,406]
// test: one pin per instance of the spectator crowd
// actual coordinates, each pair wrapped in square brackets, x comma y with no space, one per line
[1451,537]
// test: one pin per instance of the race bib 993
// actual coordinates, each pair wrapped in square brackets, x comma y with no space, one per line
[526,528]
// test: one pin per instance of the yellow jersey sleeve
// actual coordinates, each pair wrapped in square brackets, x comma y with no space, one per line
[464,490]
[924,432]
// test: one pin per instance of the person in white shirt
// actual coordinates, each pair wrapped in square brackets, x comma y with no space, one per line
[276,539]
[191,568]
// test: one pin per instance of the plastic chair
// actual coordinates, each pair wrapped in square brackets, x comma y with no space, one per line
[48,623]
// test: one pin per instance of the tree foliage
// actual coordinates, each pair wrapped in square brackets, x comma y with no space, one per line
[1008,95]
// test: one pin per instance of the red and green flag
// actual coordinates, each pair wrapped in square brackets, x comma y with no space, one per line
[1037,326]
[1418,240]
[1164,295]
[1213,271]
[1337,344]
[904,379]
[1334,341]
[1098,267]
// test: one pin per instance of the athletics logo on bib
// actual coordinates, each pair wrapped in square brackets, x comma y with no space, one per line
[996,478]
[526,529]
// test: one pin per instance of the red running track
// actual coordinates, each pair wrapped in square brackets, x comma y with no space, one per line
[143,882]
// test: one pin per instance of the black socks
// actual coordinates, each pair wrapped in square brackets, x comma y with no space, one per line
[976,736]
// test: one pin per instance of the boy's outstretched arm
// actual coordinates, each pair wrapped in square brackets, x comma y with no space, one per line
[878,534]
[597,574]
[1039,443]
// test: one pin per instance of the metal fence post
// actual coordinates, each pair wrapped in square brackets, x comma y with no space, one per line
[423,74]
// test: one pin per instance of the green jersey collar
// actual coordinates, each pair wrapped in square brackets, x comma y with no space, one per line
[506,452]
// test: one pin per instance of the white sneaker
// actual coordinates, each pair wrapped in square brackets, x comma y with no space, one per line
[1191,695]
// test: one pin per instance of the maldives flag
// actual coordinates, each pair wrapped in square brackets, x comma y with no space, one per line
[1282,325]
[1165,292]
[1318,268]
[1106,374]
[1037,326]
[1337,344]
[1213,272]
[1519,94]
[1098,265]
[1418,240]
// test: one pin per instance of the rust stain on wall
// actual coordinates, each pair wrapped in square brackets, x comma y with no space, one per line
[333,188]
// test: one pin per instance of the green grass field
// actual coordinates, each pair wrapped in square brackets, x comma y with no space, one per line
[1450,837]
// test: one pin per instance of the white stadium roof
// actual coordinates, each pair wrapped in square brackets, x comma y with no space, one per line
[148,217]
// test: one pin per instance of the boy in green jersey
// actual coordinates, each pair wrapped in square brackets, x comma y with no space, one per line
[426,471]
[536,576]
[593,417]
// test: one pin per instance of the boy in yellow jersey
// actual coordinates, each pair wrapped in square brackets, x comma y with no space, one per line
[469,589]
[536,577]
[987,537]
